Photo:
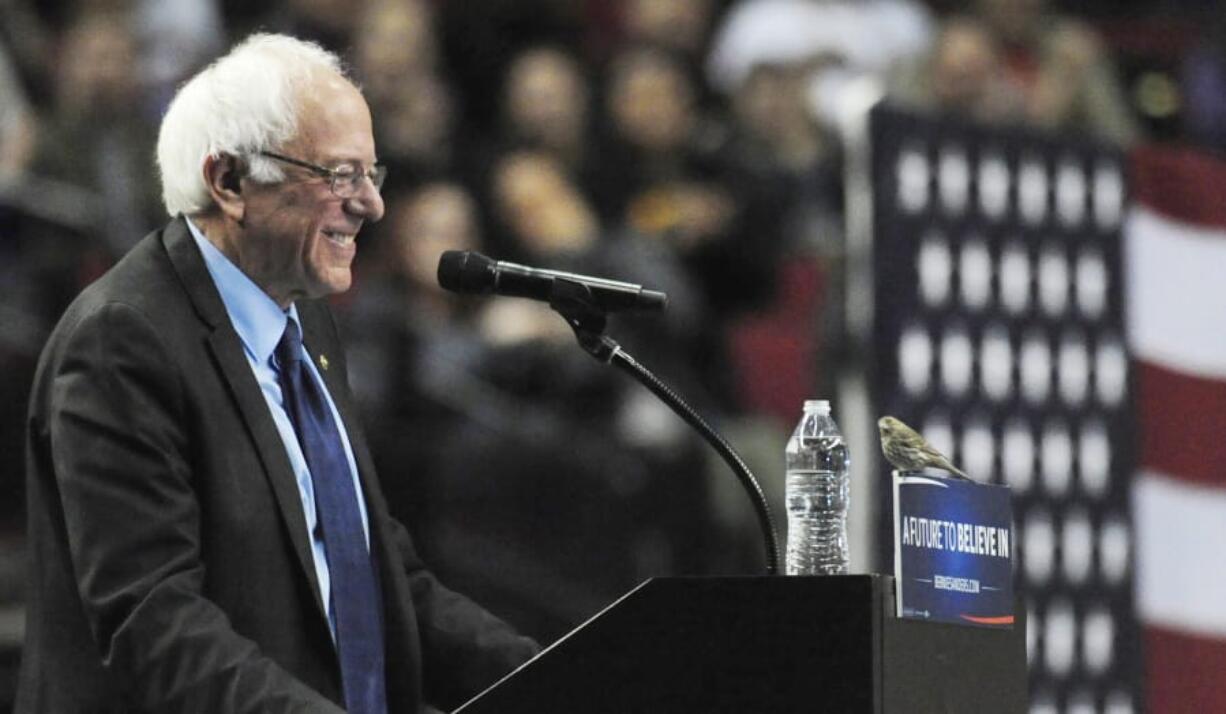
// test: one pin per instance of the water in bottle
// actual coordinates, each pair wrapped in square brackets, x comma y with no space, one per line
[816,492]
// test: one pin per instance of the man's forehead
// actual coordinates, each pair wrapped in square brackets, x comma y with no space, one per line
[334,123]
[327,89]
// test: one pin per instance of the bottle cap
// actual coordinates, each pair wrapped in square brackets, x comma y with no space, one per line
[821,406]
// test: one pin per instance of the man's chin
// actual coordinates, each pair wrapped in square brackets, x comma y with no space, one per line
[334,283]
[337,287]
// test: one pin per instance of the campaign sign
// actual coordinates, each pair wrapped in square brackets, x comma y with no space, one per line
[953,551]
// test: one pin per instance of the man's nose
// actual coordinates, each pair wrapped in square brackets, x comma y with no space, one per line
[367,202]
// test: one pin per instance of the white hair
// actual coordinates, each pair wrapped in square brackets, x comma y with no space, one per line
[245,102]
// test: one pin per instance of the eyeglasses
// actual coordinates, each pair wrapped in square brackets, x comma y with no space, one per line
[344,179]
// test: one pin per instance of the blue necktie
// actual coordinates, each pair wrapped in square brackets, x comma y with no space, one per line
[355,602]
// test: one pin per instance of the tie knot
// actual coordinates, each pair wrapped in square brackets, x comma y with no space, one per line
[289,349]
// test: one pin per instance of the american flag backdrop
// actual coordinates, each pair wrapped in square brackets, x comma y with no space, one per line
[999,332]
[1175,240]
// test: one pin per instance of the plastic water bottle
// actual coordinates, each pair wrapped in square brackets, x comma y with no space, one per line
[816,492]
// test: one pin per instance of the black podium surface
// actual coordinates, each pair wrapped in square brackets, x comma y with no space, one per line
[766,644]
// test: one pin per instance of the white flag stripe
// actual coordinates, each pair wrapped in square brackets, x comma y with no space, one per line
[1176,278]
[1181,534]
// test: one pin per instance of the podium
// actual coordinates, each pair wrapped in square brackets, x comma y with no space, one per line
[766,644]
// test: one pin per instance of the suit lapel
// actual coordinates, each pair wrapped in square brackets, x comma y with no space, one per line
[227,349]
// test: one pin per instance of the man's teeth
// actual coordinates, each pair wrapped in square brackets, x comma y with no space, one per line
[342,238]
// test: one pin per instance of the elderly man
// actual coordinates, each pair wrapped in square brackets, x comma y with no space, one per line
[207,533]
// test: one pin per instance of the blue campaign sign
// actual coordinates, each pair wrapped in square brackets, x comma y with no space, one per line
[953,551]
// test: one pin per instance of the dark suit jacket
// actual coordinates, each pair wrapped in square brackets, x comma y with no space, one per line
[171,568]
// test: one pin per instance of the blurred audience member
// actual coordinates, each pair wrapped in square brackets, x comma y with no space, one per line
[50,230]
[395,41]
[417,133]
[434,218]
[545,107]
[787,166]
[410,338]
[548,221]
[176,38]
[1203,80]
[1062,69]
[27,36]
[17,134]
[680,27]
[667,176]
[542,212]
[397,59]
[96,139]
[480,39]
[659,171]
[963,76]
[773,117]
[832,55]
[839,39]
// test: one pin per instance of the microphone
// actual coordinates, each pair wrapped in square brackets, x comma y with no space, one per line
[471,273]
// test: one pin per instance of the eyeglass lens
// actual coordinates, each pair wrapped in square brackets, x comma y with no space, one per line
[345,182]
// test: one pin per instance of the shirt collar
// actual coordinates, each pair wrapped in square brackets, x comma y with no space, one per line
[257,319]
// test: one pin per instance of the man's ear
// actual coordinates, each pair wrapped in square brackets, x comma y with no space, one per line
[223,174]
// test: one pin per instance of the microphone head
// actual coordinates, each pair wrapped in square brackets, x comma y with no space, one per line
[466,271]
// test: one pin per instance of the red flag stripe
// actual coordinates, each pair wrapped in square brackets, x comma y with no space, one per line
[1184,672]
[1181,420]
[1181,184]
[1180,490]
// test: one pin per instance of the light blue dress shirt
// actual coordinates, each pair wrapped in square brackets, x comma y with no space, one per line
[260,322]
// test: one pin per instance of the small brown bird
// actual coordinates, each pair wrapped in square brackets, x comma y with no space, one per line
[907,450]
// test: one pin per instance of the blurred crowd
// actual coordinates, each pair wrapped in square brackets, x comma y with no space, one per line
[689,145]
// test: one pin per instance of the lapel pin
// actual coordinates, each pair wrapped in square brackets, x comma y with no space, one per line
[323,361]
